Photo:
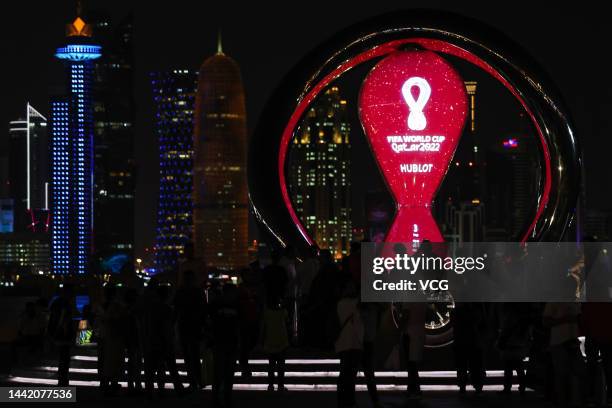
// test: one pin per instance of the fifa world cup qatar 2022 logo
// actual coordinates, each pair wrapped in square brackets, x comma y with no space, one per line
[413,106]
[400,72]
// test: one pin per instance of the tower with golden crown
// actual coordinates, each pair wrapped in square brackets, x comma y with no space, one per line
[72,154]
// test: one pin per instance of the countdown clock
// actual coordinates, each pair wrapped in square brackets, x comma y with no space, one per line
[412,107]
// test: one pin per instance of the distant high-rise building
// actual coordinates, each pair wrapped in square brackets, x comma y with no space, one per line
[28,163]
[511,203]
[113,115]
[320,173]
[468,161]
[461,206]
[173,95]
[470,87]
[24,212]
[220,186]
[72,154]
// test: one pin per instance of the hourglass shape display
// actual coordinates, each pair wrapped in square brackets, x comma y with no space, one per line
[413,106]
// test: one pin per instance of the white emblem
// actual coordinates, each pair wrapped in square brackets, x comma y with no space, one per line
[416,118]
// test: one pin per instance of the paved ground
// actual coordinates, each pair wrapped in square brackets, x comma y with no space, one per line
[91,398]
[307,372]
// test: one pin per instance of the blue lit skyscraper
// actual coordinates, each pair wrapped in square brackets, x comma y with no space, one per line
[174,97]
[72,155]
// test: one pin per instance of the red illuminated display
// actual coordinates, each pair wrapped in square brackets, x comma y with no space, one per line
[387,49]
[413,106]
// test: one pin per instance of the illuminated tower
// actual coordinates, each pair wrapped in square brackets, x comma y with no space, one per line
[320,173]
[29,170]
[470,87]
[173,95]
[72,154]
[470,159]
[220,185]
[24,216]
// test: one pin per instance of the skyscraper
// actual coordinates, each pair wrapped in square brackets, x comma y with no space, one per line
[220,185]
[114,166]
[470,87]
[512,191]
[29,170]
[173,95]
[462,199]
[72,154]
[24,215]
[320,173]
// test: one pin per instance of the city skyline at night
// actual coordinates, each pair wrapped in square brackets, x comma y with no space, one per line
[319,173]
[143,166]
[228,205]
[264,66]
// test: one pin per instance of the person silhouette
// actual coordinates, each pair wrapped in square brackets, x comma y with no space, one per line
[226,334]
[62,330]
[189,305]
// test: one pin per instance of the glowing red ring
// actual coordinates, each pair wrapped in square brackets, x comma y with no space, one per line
[380,50]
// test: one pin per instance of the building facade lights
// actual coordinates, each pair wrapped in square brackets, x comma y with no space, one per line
[173,96]
[72,161]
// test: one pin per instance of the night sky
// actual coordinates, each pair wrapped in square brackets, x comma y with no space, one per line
[572,42]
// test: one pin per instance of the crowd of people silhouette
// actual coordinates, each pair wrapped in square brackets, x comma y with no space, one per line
[312,303]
